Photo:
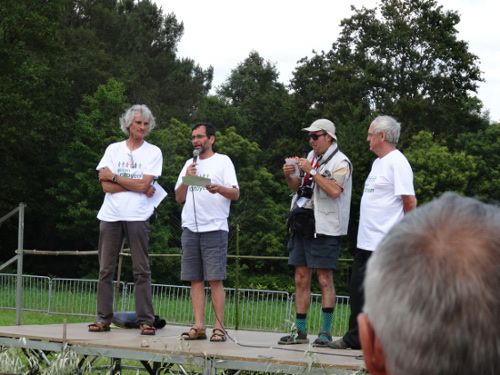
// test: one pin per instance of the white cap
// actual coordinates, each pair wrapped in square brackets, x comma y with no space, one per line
[322,124]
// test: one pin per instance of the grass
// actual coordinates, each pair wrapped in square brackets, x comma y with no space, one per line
[8,318]
[255,311]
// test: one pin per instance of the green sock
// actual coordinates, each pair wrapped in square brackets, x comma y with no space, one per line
[301,322]
[326,319]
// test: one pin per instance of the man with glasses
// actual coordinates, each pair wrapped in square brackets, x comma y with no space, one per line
[204,227]
[387,196]
[127,172]
[318,218]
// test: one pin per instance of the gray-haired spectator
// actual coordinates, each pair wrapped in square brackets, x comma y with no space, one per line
[432,292]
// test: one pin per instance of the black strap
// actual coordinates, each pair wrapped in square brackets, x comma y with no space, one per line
[328,159]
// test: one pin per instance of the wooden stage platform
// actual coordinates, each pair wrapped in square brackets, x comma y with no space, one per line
[250,350]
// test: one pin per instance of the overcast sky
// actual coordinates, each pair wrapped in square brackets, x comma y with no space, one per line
[222,33]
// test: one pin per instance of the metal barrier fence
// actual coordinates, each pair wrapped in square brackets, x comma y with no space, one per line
[250,309]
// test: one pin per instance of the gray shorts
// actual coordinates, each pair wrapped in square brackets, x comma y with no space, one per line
[204,255]
[321,252]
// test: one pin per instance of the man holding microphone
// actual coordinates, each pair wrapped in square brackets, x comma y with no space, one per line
[205,228]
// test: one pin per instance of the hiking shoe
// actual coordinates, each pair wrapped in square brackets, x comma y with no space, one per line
[324,339]
[338,344]
[294,338]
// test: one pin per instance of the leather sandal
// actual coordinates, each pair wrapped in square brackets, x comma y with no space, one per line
[194,334]
[147,330]
[99,327]
[218,335]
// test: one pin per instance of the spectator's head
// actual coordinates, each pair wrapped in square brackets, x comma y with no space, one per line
[128,117]
[432,292]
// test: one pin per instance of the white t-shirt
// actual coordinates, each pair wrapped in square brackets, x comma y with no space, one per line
[208,212]
[381,203]
[129,205]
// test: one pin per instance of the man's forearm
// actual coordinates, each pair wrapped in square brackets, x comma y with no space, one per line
[409,202]
[139,185]
[112,187]
[180,193]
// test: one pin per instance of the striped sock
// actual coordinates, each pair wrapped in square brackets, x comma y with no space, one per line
[326,319]
[301,322]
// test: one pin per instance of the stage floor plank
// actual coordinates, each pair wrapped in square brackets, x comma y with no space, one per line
[251,350]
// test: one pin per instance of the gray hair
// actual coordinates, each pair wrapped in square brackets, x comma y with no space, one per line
[389,126]
[128,117]
[432,289]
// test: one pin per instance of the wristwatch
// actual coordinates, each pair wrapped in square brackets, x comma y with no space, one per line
[313,172]
[113,179]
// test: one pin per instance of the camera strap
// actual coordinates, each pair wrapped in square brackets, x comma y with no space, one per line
[329,157]
[317,162]
[307,177]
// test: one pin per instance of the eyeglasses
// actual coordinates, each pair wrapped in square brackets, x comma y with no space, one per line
[315,136]
[198,136]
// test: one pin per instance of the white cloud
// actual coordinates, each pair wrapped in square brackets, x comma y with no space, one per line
[221,33]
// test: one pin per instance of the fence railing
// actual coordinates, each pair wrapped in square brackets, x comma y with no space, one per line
[244,309]
[250,309]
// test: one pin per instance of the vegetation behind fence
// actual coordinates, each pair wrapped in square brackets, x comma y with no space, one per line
[249,309]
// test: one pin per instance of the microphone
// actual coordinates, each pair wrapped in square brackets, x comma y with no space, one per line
[196,153]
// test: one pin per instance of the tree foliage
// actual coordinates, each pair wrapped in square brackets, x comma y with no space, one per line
[53,54]
[437,169]
[402,58]
[263,107]
[69,68]
[484,146]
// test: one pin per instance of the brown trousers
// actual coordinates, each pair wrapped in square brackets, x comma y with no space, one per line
[111,235]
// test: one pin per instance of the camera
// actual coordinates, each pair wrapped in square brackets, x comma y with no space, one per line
[305,191]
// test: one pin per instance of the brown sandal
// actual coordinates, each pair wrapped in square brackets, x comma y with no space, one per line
[147,330]
[99,327]
[194,334]
[218,335]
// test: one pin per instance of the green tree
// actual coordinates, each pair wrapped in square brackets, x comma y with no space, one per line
[436,169]
[401,58]
[135,43]
[32,110]
[263,108]
[55,53]
[485,147]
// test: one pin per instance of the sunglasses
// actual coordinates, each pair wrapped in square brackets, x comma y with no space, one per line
[315,136]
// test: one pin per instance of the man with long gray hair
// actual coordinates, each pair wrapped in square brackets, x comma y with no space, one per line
[432,292]
[126,173]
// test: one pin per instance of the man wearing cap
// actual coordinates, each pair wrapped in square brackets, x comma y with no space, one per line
[319,216]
